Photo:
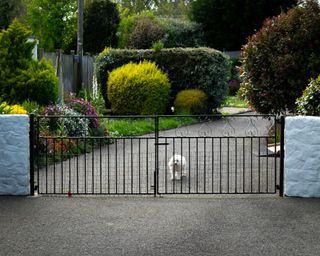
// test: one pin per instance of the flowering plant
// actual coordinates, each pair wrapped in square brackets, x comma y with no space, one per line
[67,121]
[85,108]
[5,108]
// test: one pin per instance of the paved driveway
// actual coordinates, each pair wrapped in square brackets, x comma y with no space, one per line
[159,226]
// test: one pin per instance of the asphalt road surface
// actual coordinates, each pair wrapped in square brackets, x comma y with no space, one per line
[172,225]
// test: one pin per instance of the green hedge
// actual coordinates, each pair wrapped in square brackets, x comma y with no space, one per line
[187,68]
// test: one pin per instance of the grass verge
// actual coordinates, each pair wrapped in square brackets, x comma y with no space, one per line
[136,127]
[234,102]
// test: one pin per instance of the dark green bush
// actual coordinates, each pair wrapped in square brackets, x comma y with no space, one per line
[192,101]
[21,77]
[127,26]
[309,102]
[187,68]
[38,83]
[280,58]
[181,33]
[145,33]
[138,89]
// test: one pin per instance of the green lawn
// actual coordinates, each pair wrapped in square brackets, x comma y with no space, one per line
[136,127]
[234,102]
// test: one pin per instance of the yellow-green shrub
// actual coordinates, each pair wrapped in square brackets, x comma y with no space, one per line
[138,89]
[192,101]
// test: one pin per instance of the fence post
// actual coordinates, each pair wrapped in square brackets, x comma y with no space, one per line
[32,144]
[40,53]
[156,172]
[282,152]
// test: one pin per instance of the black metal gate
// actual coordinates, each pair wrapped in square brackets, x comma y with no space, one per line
[223,155]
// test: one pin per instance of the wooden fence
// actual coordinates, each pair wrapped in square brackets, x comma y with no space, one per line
[66,67]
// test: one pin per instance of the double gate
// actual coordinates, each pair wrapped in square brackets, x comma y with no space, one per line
[224,155]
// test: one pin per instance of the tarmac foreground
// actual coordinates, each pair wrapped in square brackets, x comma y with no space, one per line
[173,225]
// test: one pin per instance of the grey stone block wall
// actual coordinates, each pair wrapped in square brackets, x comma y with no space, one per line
[14,155]
[302,157]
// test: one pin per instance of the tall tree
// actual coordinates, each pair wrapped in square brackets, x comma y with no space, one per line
[53,22]
[101,20]
[280,58]
[10,9]
[227,23]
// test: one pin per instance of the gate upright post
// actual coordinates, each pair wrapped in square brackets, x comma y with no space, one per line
[31,146]
[155,177]
[282,152]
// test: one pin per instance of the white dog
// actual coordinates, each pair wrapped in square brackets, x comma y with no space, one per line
[177,167]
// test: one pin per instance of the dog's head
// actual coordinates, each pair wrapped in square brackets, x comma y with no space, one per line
[176,161]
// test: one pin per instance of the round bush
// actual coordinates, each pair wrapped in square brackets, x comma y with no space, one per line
[309,102]
[192,101]
[141,89]
[146,32]
[280,58]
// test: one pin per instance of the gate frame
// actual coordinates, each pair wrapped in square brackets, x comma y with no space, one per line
[282,154]
[32,140]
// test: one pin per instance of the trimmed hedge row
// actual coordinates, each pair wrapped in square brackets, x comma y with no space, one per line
[187,68]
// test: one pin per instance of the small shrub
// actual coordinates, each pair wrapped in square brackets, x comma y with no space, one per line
[157,46]
[31,107]
[309,102]
[138,89]
[192,101]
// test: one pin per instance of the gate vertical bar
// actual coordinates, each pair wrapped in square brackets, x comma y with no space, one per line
[281,174]
[31,144]
[156,172]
